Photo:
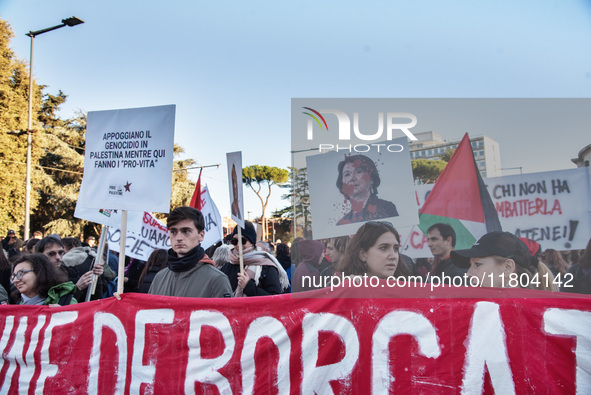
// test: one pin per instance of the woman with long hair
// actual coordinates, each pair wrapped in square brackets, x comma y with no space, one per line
[555,262]
[373,250]
[39,282]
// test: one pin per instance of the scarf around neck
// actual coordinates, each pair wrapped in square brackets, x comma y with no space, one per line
[253,262]
[187,262]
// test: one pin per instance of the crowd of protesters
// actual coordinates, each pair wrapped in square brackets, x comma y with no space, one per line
[52,270]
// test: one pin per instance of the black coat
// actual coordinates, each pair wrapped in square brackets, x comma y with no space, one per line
[268,282]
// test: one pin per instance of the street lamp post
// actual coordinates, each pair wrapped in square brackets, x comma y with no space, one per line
[72,21]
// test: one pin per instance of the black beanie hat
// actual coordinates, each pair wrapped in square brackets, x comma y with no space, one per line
[248,231]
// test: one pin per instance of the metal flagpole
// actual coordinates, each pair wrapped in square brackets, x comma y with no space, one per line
[100,250]
[121,271]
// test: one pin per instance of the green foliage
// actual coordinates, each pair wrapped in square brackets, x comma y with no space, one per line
[426,171]
[14,94]
[182,186]
[51,103]
[298,195]
[446,156]
[57,155]
[256,176]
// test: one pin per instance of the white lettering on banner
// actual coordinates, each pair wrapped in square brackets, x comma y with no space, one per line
[107,320]
[122,349]
[28,371]
[15,355]
[48,369]
[141,373]
[207,370]
[8,324]
[574,323]
[316,379]
[487,348]
[394,324]
[274,330]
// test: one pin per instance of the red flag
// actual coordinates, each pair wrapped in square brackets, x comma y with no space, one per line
[196,199]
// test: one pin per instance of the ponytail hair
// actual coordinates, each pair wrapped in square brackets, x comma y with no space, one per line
[539,275]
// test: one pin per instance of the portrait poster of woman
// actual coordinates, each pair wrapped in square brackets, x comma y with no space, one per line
[349,188]
[234,163]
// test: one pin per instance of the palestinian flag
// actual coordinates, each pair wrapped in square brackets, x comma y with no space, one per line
[460,199]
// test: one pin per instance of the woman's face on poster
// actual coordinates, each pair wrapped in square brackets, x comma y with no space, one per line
[234,184]
[356,180]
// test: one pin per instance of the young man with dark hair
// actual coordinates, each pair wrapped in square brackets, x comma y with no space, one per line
[190,272]
[81,275]
[53,248]
[442,241]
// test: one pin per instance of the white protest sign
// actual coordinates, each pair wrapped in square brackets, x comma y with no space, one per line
[128,159]
[348,189]
[214,230]
[552,208]
[153,235]
[111,218]
[234,160]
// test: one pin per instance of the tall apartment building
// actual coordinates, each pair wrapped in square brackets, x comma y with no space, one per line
[487,153]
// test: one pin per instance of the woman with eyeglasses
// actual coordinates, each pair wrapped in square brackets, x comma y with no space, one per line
[39,282]
[373,250]
[263,274]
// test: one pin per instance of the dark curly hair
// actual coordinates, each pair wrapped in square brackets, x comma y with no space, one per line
[47,274]
[363,240]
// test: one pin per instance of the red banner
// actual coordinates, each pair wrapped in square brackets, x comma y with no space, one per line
[514,341]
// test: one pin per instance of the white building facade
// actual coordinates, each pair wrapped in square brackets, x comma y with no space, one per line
[487,153]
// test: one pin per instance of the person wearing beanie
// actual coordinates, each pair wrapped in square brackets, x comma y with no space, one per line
[263,274]
[189,271]
[311,253]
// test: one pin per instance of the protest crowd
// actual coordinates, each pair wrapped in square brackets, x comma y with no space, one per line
[354,278]
[56,270]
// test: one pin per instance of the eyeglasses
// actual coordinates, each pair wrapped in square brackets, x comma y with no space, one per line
[235,241]
[52,254]
[19,275]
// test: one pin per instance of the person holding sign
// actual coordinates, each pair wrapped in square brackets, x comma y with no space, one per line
[358,181]
[263,274]
[190,272]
